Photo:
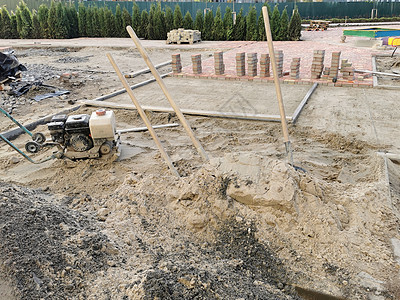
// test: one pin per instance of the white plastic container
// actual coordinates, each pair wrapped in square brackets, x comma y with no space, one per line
[102,124]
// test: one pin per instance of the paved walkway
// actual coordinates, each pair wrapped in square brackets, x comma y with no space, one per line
[356,50]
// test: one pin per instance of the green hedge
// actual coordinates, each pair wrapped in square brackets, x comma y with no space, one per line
[61,20]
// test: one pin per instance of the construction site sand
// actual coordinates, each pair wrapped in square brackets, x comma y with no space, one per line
[244,225]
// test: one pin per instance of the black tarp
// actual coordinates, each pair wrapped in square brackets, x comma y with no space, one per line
[9,65]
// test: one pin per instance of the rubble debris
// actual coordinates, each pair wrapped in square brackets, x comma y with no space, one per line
[49,95]
[21,88]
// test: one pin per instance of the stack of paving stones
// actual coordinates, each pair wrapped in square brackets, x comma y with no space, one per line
[295,68]
[279,63]
[334,69]
[317,65]
[264,65]
[252,64]
[196,62]
[241,64]
[176,63]
[219,63]
[347,70]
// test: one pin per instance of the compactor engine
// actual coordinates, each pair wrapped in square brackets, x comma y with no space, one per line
[84,136]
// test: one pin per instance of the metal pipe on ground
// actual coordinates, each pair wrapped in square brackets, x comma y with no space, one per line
[147,70]
[203,113]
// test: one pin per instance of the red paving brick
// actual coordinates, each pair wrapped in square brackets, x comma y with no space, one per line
[360,57]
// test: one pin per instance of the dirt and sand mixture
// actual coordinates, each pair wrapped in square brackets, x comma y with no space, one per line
[244,225]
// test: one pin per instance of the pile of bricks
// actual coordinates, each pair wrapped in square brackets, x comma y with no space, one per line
[176,63]
[317,65]
[334,69]
[196,63]
[295,68]
[279,63]
[264,65]
[252,64]
[347,70]
[181,35]
[241,64]
[219,63]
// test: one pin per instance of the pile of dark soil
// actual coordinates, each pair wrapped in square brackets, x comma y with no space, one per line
[47,250]
[237,266]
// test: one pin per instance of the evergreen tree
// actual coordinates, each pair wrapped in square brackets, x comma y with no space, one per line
[136,19]
[81,20]
[14,27]
[144,21]
[24,17]
[262,36]
[294,32]
[102,28]
[120,30]
[239,29]
[178,19]
[169,19]
[109,23]
[199,21]
[251,24]
[218,28]
[284,26]
[89,21]
[52,20]
[36,32]
[43,15]
[96,22]
[19,21]
[72,18]
[275,23]
[188,21]
[161,30]
[151,28]
[228,24]
[6,28]
[208,26]
[62,26]
[126,21]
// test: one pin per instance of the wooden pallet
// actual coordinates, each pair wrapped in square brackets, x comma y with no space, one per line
[317,25]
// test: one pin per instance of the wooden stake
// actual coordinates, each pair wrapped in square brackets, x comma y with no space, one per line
[143,115]
[178,112]
[277,84]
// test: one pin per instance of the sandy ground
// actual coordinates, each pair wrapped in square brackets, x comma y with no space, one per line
[244,225]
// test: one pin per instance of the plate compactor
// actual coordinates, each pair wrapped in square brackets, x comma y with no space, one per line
[76,137]
[84,136]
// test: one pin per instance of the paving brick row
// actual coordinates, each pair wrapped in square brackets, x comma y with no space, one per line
[235,63]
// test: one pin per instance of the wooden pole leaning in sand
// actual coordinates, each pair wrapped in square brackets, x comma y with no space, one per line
[157,76]
[277,85]
[143,115]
